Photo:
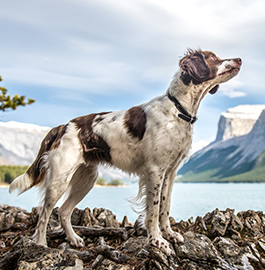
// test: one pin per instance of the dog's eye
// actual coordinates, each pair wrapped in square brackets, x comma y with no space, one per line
[213,57]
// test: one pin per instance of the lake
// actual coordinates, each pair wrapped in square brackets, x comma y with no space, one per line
[187,199]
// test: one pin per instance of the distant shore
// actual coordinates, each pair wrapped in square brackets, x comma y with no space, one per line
[4,185]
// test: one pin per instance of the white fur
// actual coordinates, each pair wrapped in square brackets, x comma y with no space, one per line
[21,183]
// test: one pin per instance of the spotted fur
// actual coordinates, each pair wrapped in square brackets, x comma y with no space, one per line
[148,140]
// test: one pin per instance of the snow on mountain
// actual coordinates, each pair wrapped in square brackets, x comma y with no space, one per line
[19,142]
[244,112]
[238,121]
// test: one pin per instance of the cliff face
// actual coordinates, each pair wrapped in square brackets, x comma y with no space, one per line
[238,121]
[238,149]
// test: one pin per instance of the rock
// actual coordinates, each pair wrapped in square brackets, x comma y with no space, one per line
[134,245]
[253,223]
[97,261]
[235,227]
[105,218]
[87,218]
[221,240]
[125,222]
[110,265]
[34,256]
[227,247]
[198,248]
[11,215]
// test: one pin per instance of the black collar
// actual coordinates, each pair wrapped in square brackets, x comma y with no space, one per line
[184,114]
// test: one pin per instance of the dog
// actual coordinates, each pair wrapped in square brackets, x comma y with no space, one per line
[150,140]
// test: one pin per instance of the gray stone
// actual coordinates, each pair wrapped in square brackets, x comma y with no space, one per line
[134,245]
[197,247]
[105,218]
[221,240]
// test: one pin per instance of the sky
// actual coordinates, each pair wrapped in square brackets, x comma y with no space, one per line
[77,57]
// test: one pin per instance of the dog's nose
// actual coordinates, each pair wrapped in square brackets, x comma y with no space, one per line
[238,61]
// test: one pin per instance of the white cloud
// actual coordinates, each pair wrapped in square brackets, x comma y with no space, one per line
[231,93]
[232,89]
[101,47]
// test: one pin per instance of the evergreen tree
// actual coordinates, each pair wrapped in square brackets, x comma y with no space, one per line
[8,102]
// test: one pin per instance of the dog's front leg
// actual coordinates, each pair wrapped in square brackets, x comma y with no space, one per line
[153,192]
[165,200]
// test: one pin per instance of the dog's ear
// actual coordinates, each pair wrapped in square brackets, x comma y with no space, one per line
[194,65]
[214,90]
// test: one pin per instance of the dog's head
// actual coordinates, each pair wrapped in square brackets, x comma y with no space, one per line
[202,66]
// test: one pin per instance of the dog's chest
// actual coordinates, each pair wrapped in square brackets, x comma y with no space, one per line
[172,141]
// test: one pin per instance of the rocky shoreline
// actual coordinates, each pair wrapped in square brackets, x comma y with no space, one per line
[219,240]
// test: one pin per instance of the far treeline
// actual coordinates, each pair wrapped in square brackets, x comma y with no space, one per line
[9,173]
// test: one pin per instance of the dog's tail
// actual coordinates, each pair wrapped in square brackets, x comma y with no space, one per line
[37,171]
[21,183]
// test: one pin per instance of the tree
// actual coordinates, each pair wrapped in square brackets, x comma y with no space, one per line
[115,182]
[8,102]
[101,181]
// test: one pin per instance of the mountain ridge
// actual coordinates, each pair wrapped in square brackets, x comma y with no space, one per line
[228,158]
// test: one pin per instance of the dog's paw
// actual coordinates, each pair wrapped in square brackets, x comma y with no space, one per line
[173,237]
[39,239]
[76,241]
[160,243]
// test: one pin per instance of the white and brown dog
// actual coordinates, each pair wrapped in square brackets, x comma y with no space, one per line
[150,140]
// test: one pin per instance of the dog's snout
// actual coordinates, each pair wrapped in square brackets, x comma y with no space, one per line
[238,61]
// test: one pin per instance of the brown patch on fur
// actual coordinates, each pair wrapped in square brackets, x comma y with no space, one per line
[135,121]
[199,66]
[95,149]
[50,142]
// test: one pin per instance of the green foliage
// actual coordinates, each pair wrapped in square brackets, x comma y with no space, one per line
[113,182]
[8,102]
[101,181]
[9,173]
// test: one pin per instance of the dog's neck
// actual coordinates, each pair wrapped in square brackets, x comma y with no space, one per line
[189,96]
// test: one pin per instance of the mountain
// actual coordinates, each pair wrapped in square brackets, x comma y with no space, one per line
[20,142]
[237,154]
[238,121]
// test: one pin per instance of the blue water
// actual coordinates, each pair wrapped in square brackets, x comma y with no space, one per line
[187,199]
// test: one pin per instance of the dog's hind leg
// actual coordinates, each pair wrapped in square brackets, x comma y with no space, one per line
[53,193]
[81,183]
[60,164]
